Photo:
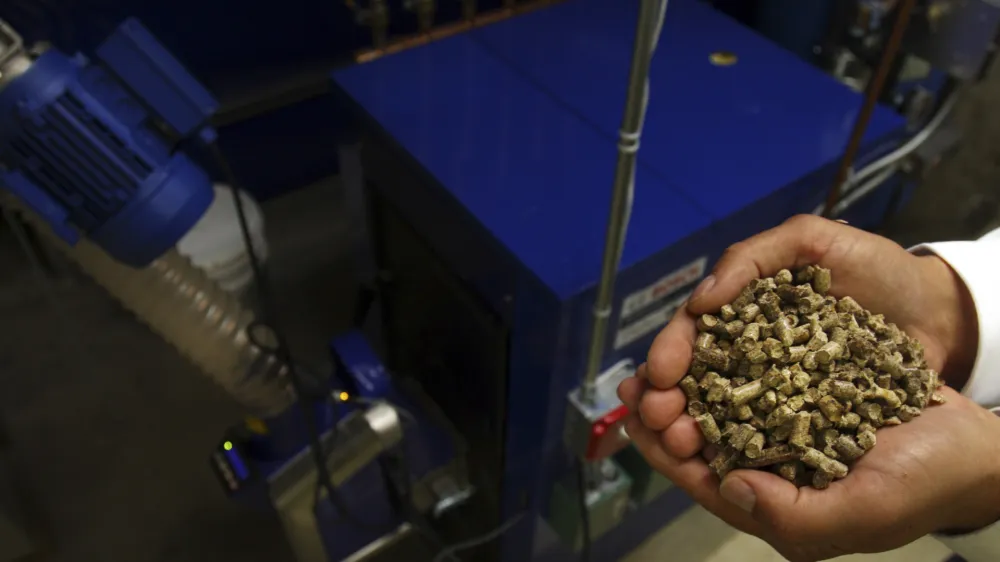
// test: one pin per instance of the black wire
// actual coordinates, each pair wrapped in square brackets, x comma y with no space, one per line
[366,298]
[280,349]
[581,489]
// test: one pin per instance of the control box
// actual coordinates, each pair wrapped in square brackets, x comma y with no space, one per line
[606,500]
[595,429]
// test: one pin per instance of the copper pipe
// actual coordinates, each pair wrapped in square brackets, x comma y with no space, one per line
[445,31]
[872,92]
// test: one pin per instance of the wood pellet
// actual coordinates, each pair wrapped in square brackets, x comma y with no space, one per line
[789,379]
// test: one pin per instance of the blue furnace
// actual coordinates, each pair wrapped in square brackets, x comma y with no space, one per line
[489,158]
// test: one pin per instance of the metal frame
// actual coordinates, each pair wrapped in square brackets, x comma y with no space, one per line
[357,441]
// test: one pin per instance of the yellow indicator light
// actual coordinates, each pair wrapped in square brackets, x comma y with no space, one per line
[228,445]
[344,396]
[256,425]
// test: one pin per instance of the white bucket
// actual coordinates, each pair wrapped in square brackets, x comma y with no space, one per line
[215,244]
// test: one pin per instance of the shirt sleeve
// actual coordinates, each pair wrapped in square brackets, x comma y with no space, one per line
[977,263]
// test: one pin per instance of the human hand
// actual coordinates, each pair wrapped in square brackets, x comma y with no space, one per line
[920,294]
[937,472]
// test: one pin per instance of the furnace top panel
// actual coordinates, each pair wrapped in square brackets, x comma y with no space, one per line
[725,135]
[518,122]
[535,175]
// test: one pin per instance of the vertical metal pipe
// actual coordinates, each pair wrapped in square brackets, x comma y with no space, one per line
[621,197]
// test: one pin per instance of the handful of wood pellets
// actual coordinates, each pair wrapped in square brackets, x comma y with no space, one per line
[791,380]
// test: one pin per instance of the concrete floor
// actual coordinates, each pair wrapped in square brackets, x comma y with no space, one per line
[109,427]
[699,536]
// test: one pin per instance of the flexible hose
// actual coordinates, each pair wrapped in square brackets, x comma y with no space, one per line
[207,324]
[909,147]
[870,177]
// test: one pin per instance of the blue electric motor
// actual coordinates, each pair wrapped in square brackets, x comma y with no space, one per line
[91,146]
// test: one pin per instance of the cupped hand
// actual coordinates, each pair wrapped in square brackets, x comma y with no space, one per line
[937,472]
[921,295]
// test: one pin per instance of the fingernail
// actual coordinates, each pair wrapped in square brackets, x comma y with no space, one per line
[738,493]
[703,287]
[629,426]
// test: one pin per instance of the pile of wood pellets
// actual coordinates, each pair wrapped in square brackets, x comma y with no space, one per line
[789,379]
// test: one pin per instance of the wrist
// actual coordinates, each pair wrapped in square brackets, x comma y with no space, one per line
[979,506]
[955,321]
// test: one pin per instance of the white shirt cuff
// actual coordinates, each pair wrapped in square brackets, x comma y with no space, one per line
[978,265]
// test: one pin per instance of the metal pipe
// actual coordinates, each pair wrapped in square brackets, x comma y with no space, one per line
[872,93]
[647,30]
[470,20]
[859,184]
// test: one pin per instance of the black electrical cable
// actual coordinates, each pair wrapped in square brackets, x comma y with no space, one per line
[366,299]
[581,490]
[281,349]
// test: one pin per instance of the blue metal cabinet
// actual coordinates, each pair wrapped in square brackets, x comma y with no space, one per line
[493,153]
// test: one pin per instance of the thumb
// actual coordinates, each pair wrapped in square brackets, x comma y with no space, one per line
[784,508]
[798,241]
[762,494]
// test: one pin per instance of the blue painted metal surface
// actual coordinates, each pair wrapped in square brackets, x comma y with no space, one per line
[720,141]
[81,148]
[145,66]
[428,444]
[536,176]
[506,138]
[724,136]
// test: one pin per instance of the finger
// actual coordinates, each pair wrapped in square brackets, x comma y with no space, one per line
[691,475]
[798,241]
[630,392]
[641,371]
[670,355]
[660,408]
[683,439]
[787,511]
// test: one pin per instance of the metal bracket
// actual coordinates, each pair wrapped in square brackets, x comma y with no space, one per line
[359,439]
[593,427]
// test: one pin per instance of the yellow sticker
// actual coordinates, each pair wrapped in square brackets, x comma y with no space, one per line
[723,58]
